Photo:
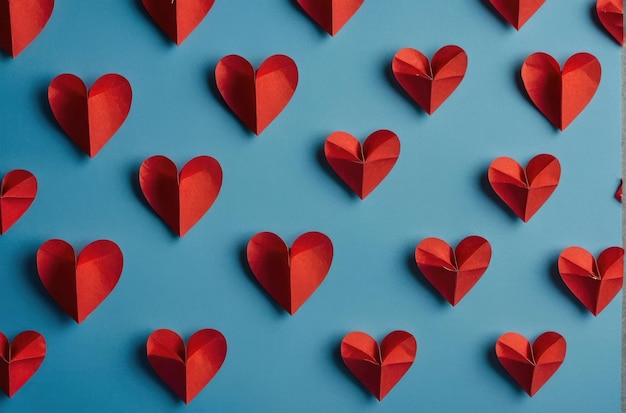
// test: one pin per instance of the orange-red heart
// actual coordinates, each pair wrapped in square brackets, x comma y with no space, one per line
[80,284]
[531,366]
[517,12]
[362,168]
[561,95]
[21,22]
[430,84]
[290,275]
[180,200]
[20,360]
[178,18]
[379,369]
[257,98]
[594,283]
[17,192]
[186,370]
[453,272]
[611,15]
[525,190]
[90,118]
[331,15]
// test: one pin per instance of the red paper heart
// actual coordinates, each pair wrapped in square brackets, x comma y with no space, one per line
[618,191]
[453,272]
[186,370]
[178,18]
[331,15]
[80,284]
[430,84]
[525,190]
[611,15]
[561,95]
[19,361]
[257,98]
[290,275]
[21,21]
[180,201]
[517,12]
[531,366]
[379,370]
[362,168]
[17,192]
[594,283]
[90,118]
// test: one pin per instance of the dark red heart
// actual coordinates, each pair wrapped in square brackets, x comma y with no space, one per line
[178,18]
[21,21]
[331,15]
[17,192]
[517,12]
[20,360]
[611,15]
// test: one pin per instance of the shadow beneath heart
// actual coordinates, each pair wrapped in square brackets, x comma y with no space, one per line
[414,269]
[557,281]
[485,186]
[141,361]
[391,78]
[320,157]
[487,4]
[593,15]
[492,359]
[334,349]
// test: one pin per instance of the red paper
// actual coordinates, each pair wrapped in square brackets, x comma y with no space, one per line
[21,21]
[531,366]
[430,84]
[594,283]
[17,192]
[362,168]
[525,191]
[256,98]
[19,361]
[182,200]
[178,18]
[453,272]
[331,15]
[561,95]
[517,12]
[618,192]
[91,118]
[186,370]
[290,275]
[80,284]
[611,15]
[379,370]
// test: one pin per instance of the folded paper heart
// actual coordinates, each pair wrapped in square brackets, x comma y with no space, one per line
[20,360]
[561,95]
[178,18]
[330,15]
[186,370]
[90,118]
[430,84]
[362,168]
[80,284]
[453,272]
[290,275]
[517,12]
[531,366]
[180,200]
[17,192]
[525,190]
[379,369]
[257,98]
[21,22]
[611,15]
[594,283]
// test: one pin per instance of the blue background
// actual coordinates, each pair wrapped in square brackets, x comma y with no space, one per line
[280,182]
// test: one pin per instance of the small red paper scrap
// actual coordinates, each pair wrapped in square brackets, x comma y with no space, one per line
[20,360]
[180,200]
[379,369]
[186,370]
[90,118]
[290,275]
[331,15]
[594,283]
[453,272]
[618,192]
[611,15]
[531,366]
[17,193]
[178,18]
[525,190]
[362,168]
[430,84]
[517,12]
[21,22]
[79,285]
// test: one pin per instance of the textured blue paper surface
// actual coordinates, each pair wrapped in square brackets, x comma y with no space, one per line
[280,182]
